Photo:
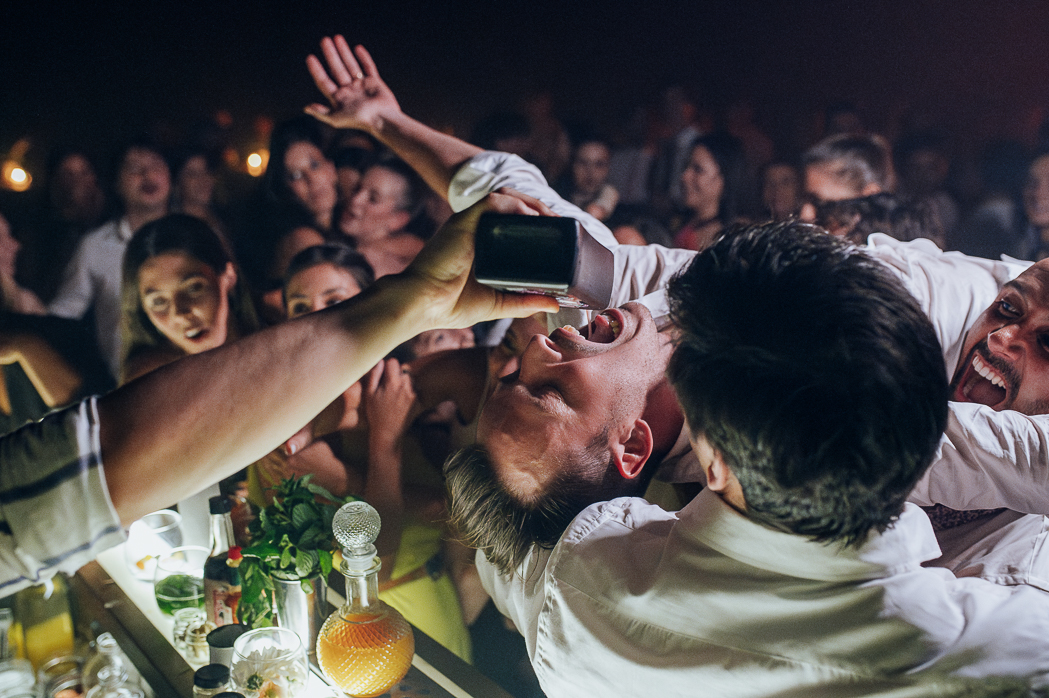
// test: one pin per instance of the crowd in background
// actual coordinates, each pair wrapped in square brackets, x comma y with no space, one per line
[112,268]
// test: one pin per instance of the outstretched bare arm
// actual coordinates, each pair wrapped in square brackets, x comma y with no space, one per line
[192,422]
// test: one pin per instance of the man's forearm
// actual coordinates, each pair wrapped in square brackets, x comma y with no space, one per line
[202,418]
[434,155]
[192,422]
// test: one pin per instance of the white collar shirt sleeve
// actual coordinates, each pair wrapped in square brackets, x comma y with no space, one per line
[635,601]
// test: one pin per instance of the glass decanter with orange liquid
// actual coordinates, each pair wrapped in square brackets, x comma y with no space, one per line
[365,647]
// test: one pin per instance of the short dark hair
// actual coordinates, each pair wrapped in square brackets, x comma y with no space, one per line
[864,159]
[880,213]
[814,373]
[498,126]
[335,253]
[727,151]
[490,517]
[140,142]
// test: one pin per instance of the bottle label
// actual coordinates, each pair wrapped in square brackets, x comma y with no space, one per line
[220,601]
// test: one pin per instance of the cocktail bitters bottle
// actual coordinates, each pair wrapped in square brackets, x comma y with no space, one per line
[365,647]
[221,581]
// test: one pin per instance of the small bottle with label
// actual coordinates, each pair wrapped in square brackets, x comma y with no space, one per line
[221,581]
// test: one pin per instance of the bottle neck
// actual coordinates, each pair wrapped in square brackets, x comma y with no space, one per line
[362,589]
[221,533]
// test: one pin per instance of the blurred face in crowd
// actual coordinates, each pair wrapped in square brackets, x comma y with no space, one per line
[1036,194]
[186,300]
[504,357]
[76,192]
[348,181]
[311,178]
[1005,358]
[377,209]
[315,288]
[433,341]
[824,182]
[144,182]
[590,167]
[781,190]
[629,235]
[8,249]
[272,306]
[925,171]
[196,184]
[573,390]
[318,287]
[702,182]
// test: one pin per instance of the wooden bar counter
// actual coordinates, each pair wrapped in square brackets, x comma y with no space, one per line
[110,598]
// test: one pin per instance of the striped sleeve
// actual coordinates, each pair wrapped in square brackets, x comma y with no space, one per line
[55,511]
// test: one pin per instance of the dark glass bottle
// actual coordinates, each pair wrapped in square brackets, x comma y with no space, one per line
[221,582]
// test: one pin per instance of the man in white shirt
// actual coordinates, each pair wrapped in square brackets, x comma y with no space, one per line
[71,482]
[974,470]
[92,279]
[821,391]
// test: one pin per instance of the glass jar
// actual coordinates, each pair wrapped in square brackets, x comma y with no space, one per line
[269,661]
[210,680]
[47,624]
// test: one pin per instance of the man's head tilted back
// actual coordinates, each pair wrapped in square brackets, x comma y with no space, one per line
[814,376]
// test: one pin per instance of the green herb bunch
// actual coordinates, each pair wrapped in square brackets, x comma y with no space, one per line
[291,539]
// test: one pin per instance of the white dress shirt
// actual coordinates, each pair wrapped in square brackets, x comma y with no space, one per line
[92,279]
[635,601]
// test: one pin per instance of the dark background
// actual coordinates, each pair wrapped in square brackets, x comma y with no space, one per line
[97,72]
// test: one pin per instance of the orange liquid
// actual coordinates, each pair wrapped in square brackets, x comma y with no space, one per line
[365,655]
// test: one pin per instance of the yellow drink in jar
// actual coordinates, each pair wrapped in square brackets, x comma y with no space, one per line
[50,638]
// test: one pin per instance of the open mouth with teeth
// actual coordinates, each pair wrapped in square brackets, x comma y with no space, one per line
[604,328]
[982,383]
[196,333]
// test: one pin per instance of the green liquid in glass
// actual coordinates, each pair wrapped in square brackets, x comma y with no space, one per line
[179,591]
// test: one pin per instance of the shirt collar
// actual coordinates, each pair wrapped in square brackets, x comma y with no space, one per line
[124,231]
[903,546]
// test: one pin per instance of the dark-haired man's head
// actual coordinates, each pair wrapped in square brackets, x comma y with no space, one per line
[576,423]
[143,181]
[504,131]
[845,167]
[857,219]
[812,381]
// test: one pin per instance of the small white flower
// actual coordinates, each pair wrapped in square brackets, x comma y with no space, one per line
[270,673]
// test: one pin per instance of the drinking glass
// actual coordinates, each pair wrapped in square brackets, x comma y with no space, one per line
[179,579]
[150,537]
[269,661]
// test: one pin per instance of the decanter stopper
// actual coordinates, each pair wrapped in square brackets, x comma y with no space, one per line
[356,526]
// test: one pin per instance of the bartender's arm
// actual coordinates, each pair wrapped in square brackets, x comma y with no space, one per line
[195,421]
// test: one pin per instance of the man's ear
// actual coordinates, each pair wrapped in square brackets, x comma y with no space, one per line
[719,476]
[633,452]
[228,278]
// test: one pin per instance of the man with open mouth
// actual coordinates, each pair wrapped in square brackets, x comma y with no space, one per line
[583,412]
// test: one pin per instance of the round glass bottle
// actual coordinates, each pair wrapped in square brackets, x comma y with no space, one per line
[365,647]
